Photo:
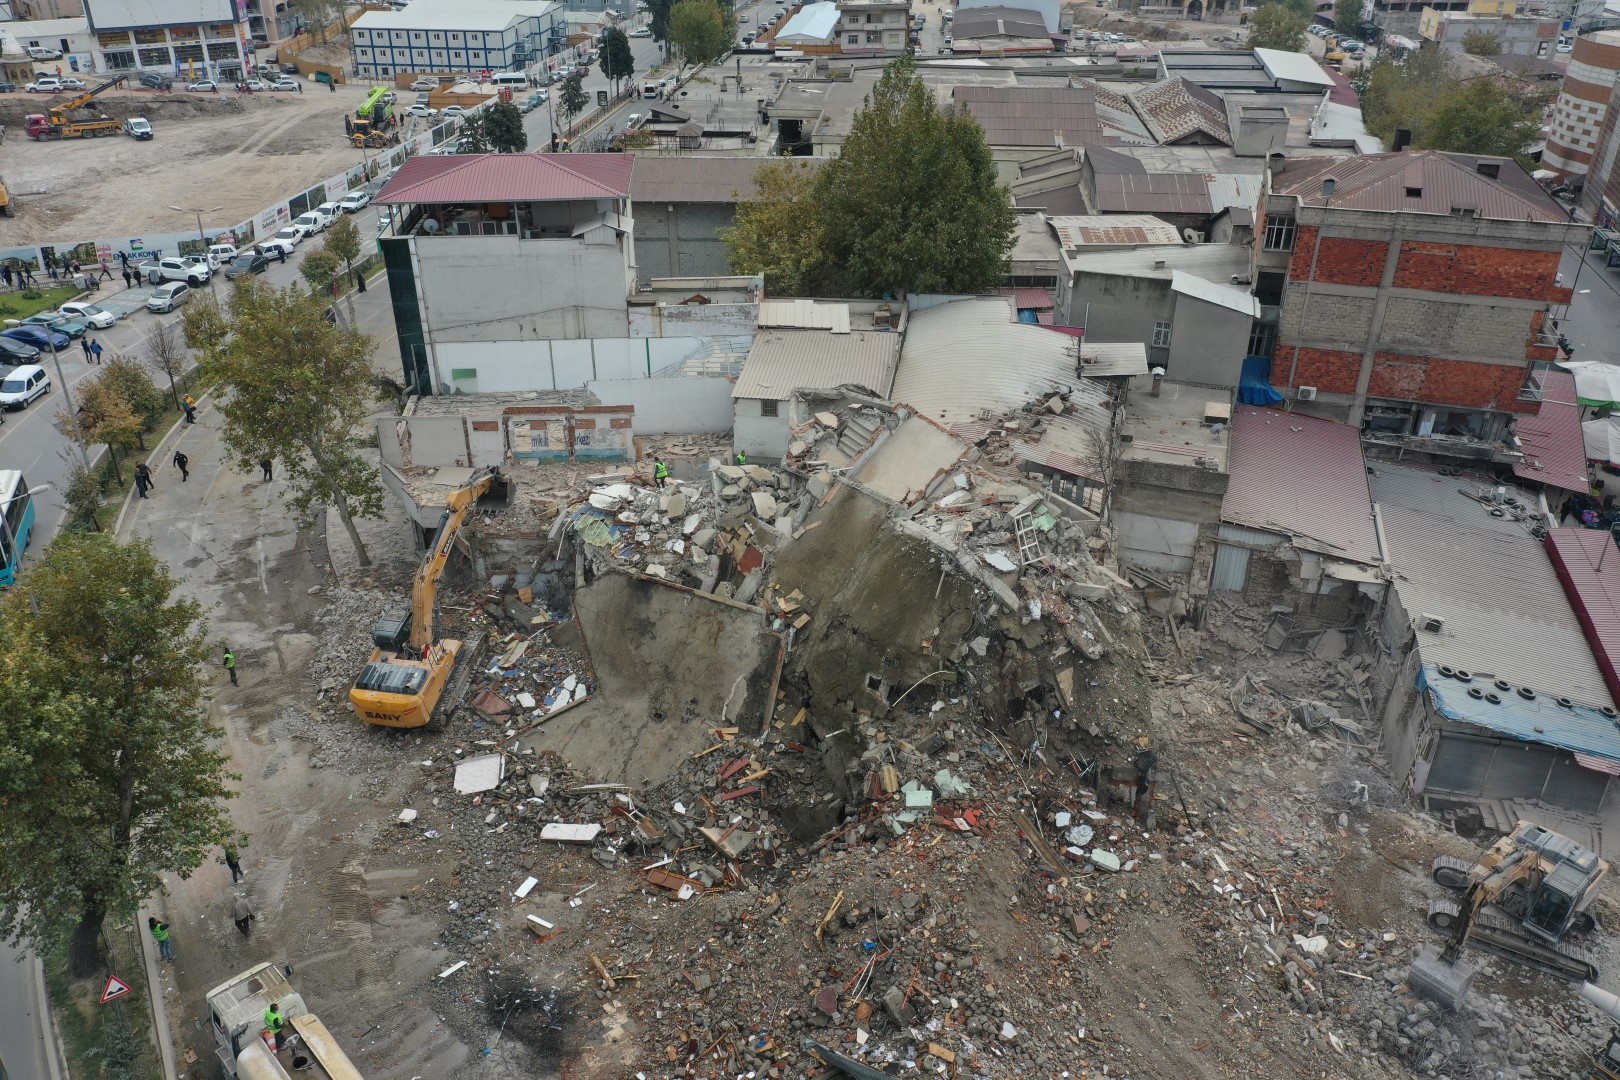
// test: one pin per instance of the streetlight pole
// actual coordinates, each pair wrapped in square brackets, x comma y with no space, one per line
[202,236]
[67,399]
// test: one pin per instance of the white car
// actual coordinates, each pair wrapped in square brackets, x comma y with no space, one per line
[641,32]
[290,236]
[1566,47]
[422,110]
[221,254]
[331,210]
[285,83]
[100,318]
[279,243]
[311,223]
[256,85]
[385,218]
[47,84]
[203,86]
[454,110]
[354,201]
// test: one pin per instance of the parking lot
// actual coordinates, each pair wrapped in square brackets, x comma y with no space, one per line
[238,152]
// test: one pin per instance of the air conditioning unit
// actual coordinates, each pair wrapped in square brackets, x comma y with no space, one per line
[1307,393]
[1430,624]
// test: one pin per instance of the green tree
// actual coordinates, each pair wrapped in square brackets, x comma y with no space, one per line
[1348,15]
[299,390]
[1482,116]
[128,378]
[1275,26]
[497,129]
[110,772]
[778,231]
[912,200]
[320,268]
[343,241]
[1481,43]
[81,495]
[701,30]
[105,417]
[618,61]
[1399,96]
[572,99]
[658,12]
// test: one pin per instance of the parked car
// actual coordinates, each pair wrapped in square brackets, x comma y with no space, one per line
[8,87]
[641,31]
[454,110]
[249,262]
[385,218]
[312,222]
[45,84]
[254,86]
[98,317]
[168,297]
[138,127]
[70,83]
[354,201]
[289,237]
[285,83]
[420,109]
[425,84]
[13,352]
[38,336]
[22,386]
[740,18]
[176,268]
[1566,47]
[389,98]
[41,52]
[62,324]
[331,210]
[156,82]
[203,86]
[220,254]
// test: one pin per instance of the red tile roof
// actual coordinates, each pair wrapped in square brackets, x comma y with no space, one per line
[1588,567]
[1554,444]
[1301,476]
[476,178]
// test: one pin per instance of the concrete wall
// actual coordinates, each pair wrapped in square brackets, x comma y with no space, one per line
[1155,543]
[1159,508]
[764,437]
[671,406]
[497,436]
[681,239]
[1122,308]
[693,320]
[1207,342]
[496,366]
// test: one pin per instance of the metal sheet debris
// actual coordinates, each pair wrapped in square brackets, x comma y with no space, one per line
[565,833]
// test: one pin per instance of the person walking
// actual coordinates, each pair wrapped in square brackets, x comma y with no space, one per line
[235,864]
[182,462]
[160,934]
[95,351]
[230,666]
[281,253]
[84,343]
[129,282]
[106,271]
[660,473]
[266,466]
[143,479]
[123,260]
[5,276]
[242,915]
[189,407]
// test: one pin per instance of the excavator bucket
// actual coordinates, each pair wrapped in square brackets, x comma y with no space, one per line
[499,494]
[1445,984]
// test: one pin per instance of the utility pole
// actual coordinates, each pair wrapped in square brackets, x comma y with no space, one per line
[201,235]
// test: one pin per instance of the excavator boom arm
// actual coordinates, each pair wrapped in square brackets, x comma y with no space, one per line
[425,590]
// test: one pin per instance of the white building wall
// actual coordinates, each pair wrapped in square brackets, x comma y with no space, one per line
[677,406]
[485,367]
[763,437]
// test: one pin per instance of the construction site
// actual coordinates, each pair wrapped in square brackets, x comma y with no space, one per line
[877,760]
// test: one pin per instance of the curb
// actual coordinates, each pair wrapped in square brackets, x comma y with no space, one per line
[162,1037]
[129,498]
[55,1053]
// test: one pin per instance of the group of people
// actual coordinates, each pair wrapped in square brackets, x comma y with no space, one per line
[92,349]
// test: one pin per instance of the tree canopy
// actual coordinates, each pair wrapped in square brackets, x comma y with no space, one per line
[297,389]
[1276,26]
[110,771]
[658,12]
[1442,112]
[702,30]
[912,201]
[1348,15]
[778,231]
[618,60]
[1481,43]
[497,129]
[571,96]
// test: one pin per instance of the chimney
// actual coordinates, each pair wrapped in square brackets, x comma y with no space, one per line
[1158,380]
[1327,187]
[1158,264]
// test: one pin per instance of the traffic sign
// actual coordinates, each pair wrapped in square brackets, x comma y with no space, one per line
[116,988]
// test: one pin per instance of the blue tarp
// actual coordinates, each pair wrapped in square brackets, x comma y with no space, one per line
[1579,727]
[1028,315]
[1254,387]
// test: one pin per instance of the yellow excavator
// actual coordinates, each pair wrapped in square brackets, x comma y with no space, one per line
[1529,891]
[411,665]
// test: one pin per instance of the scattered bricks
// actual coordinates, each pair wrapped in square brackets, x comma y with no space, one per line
[947,1056]
[1079,922]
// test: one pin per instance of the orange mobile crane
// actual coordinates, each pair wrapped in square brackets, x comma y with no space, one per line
[62,123]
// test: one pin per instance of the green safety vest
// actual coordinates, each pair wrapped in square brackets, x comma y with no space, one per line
[230,659]
[274,1021]
[661,471]
[742,458]
[160,932]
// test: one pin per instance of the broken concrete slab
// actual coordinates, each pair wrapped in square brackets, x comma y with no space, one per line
[764,505]
[566,833]
[481,773]
[999,562]
[916,796]
[950,786]
[1105,860]
[730,842]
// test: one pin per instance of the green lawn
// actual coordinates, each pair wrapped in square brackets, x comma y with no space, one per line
[13,305]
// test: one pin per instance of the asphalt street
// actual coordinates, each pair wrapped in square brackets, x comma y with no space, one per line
[1593,321]
[24,1053]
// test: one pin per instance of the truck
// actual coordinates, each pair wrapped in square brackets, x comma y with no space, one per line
[372,119]
[74,118]
[246,1049]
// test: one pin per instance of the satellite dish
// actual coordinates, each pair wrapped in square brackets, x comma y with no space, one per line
[430,225]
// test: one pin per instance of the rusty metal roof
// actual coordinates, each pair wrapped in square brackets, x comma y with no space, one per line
[479,178]
[1421,182]
[1177,109]
[1301,476]
[1554,444]
[1033,115]
[1153,193]
[1588,567]
[1122,231]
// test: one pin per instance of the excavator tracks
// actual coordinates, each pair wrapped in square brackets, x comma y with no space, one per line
[1493,933]
[1451,873]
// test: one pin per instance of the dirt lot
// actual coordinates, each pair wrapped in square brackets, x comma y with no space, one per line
[239,152]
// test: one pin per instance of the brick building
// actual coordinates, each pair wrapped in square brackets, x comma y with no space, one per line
[1413,289]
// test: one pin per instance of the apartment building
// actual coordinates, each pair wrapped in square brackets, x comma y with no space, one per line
[1413,291]
[457,36]
[1583,103]
[873,27]
[192,38]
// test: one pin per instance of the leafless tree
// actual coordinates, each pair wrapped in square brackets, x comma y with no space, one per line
[168,353]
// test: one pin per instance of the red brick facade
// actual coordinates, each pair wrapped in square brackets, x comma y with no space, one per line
[1476,271]
[1449,382]
[1329,371]
[1343,261]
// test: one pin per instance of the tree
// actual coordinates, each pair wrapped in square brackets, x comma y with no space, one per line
[572,99]
[912,202]
[698,28]
[320,268]
[299,390]
[1481,117]
[1348,15]
[105,417]
[343,240]
[1274,26]
[618,62]
[82,494]
[168,352]
[127,378]
[110,772]
[1481,43]
[777,231]
[658,12]
[1399,96]
[497,129]
[319,15]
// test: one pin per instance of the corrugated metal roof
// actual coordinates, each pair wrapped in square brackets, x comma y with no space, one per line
[1155,193]
[468,15]
[966,356]
[782,361]
[1027,298]
[1503,612]
[1107,359]
[1068,199]
[1417,487]
[474,178]
[1104,161]
[1582,729]
[1302,476]
[1421,182]
[1033,115]
[1176,108]
[998,22]
[1114,231]
[1069,442]
[686,179]
[1208,291]
[804,314]
[1292,67]
[811,23]
[1588,566]
[1554,445]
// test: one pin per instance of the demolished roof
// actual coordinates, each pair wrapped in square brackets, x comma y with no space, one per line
[1325,506]
[1553,442]
[782,361]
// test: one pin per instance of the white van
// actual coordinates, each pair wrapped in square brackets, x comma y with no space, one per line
[518,79]
[22,385]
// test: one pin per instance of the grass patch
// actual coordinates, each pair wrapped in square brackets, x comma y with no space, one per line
[104,1042]
[14,305]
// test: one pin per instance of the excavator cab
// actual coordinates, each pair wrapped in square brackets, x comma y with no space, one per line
[1553,907]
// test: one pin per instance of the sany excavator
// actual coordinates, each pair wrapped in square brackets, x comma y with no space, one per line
[411,665]
[1519,901]
[62,124]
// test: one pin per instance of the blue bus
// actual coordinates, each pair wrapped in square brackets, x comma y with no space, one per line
[17,507]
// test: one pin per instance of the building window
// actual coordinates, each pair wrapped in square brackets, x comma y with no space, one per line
[1262,339]
[1279,234]
[874,39]
[767,408]
[1161,335]
[854,39]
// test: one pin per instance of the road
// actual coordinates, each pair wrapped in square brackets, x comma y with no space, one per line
[1593,321]
[24,1050]
[540,123]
